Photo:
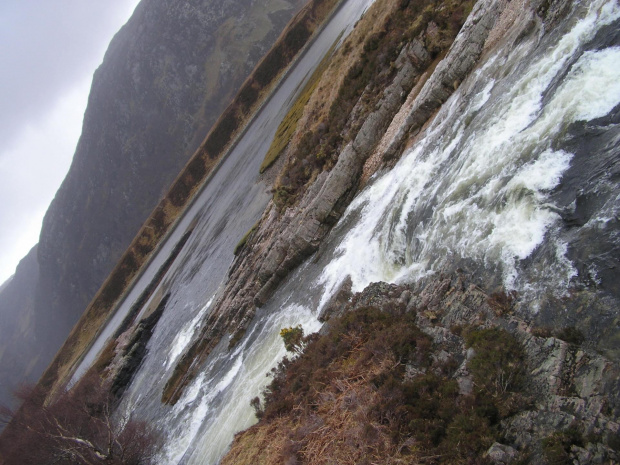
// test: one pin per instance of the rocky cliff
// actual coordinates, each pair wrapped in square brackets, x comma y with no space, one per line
[17,335]
[439,372]
[282,240]
[165,79]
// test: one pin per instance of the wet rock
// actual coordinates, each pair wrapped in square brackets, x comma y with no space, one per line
[341,297]
[501,454]
[132,352]
[460,60]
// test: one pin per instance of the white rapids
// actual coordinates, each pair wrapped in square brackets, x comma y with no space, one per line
[477,187]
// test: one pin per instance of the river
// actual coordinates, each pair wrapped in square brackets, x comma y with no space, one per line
[517,172]
[227,207]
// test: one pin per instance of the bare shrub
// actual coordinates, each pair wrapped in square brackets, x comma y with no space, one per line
[76,429]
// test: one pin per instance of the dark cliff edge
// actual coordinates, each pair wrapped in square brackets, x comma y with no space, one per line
[166,77]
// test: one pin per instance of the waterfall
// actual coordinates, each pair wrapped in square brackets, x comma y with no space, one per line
[486,186]
[477,187]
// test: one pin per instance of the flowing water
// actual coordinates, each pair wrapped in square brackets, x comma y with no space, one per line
[516,173]
[479,187]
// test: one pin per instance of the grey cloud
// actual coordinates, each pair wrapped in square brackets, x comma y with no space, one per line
[45,48]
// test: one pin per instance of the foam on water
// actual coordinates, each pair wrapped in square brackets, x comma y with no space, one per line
[257,358]
[593,89]
[477,185]
[217,403]
[185,335]
[186,428]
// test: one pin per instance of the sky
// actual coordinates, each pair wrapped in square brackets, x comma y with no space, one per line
[49,50]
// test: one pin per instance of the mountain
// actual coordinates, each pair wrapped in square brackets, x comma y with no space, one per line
[166,77]
[414,238]
[17,329]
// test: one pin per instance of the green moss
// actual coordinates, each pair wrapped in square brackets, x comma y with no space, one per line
[241,244]
[236,337]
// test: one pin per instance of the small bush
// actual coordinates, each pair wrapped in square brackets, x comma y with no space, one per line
[293,339]
[77,428]
[556,448]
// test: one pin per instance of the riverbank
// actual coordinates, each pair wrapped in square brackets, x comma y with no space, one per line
[220,140]
[437,372]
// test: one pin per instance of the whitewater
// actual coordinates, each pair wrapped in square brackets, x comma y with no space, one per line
[487,187]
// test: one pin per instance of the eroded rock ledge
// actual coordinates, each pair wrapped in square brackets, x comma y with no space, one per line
[501,391]
[282,241]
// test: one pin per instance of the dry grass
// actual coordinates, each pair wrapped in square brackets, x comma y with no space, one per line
[349,434]
[310,108]
[343,60]
[260,445]
[287,127]
[341,429]
[333,417]
[350,397]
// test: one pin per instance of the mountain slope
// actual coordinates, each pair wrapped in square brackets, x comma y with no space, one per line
[166,77]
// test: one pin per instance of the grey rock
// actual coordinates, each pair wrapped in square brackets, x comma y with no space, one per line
[501,454]
[457,64]
[466,385]
[336,304]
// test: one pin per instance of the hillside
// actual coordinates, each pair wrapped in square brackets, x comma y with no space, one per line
[165,79]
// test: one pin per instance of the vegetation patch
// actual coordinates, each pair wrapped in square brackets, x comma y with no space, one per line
[289,123]
[368,391]
[557,447]
[241,244]
[367,64]
[76,429]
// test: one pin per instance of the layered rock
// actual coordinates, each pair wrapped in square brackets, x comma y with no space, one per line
[461,59]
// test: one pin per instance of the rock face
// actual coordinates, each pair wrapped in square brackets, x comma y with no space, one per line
[561,406]
[461,59]
[165,79]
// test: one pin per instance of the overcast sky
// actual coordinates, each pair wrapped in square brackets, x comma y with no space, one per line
[49,50]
